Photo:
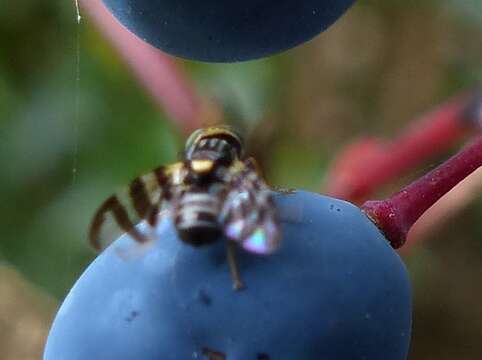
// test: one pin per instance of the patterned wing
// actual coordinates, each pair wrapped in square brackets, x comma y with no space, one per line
[249,215]
[142,200]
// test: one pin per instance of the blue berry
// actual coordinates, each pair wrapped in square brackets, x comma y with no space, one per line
[226,31]
[335,290]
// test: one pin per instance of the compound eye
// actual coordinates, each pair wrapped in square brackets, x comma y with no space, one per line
[191,141]
[226,158]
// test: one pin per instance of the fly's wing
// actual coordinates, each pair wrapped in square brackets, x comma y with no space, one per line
[142,200]
[249,215]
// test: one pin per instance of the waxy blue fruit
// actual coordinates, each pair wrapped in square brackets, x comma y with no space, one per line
[226,31]
[335,290]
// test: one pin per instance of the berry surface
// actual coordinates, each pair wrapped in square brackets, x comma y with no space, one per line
[226,31]
[334,290]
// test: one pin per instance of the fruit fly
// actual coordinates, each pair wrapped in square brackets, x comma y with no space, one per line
[213,191]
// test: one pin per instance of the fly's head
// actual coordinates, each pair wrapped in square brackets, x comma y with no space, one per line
[220,144]
[210,151]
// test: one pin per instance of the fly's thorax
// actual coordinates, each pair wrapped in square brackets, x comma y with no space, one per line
[205,172]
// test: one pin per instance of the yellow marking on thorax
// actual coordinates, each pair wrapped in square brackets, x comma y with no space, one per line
[237,166]
[177,173]
[202,166]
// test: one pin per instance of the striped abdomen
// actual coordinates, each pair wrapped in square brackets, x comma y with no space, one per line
[196,217]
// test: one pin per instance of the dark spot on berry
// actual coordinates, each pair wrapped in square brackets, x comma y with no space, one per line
[263,356]
[133,314]
[218,258]
[213,355]
[204,298]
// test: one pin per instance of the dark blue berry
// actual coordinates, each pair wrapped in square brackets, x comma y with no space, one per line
[335,290]
[226,31]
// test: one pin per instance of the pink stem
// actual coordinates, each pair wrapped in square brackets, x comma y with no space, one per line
[156,71]
[358,173]
[396,215]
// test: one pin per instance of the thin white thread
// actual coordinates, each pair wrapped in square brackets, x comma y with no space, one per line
[77,97]
[77,10]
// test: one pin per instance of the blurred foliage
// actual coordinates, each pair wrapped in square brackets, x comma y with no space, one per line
[75,126]
[25,316]
[470,10]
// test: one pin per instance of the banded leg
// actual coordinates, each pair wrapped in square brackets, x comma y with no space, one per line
[145,195]
[121,217]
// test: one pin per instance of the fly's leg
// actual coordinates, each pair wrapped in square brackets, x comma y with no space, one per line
[233,266]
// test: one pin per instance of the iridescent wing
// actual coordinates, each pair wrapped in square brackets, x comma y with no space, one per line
[142,200]
[249,215]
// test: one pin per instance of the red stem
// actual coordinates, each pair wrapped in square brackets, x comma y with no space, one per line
[396,215]
[453,202]
[159,74]
[357,173]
